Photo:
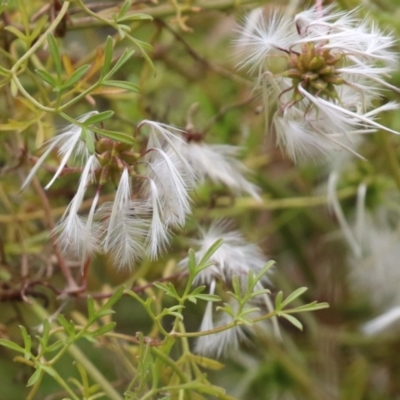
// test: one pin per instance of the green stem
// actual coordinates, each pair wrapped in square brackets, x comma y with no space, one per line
[29,97]
[35,388]
[80,357]
[42,38]
[169,362]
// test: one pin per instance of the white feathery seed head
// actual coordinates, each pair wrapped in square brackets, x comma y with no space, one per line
[235,257]
[70,144]
[219,163]
[127,223]
[326,67]
[171,185]
[76,236]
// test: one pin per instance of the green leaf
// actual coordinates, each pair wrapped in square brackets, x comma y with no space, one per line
[27,342]
[108,53]
[292,320]
[4,71]
[68,327]
[314,306]
[76,76]
[177,307]
[206,362]
[55,53]
[114,298]
[35,377]
[244,320]
[16,32]
[47,77]
[136,17]
[124,9]
[298,292]
[122,85]
[49,370]
[264,270]
[118,136]
[278,301]
[121,61]
[55,346]
[260,292]
[39,25]
[103,313]
[161,286]
[91,309]
[46,330]
[175,314]
[11,345]
[192,261]
[104,329]
[122,29]
[208,297]
[215,246]
[236,286]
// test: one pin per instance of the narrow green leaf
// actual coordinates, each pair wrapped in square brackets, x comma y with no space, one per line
[122,29]
[118,136]
[298,292]
[136,17]
[293,320]
[177,307]
[46,330]
[39,25]
[236,286]
[55,53]
[103,313]
[49,370]
[27,342]
[87,137]
[278,301]
[104,329]
[4,71]
[245,321]
[175,314]
[208,297]
[264,270]
[114,298]
[249,310]
[192,261]
[124,8]
[16,32]
[35,377]
[143,46]
[11,345]
[76,76]
[161,286]
[91,309]
[47,77]
[108,53]
[83,374]
[122,85]
[192,299]
[314,306]
[55,346]
[69,328]
[260,292]
[122,60]
[215,246]
[198,289]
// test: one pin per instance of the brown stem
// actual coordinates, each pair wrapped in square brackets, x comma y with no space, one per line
[51,225]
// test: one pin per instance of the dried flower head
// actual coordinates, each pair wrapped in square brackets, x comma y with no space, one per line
[234,258]
[324,69]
